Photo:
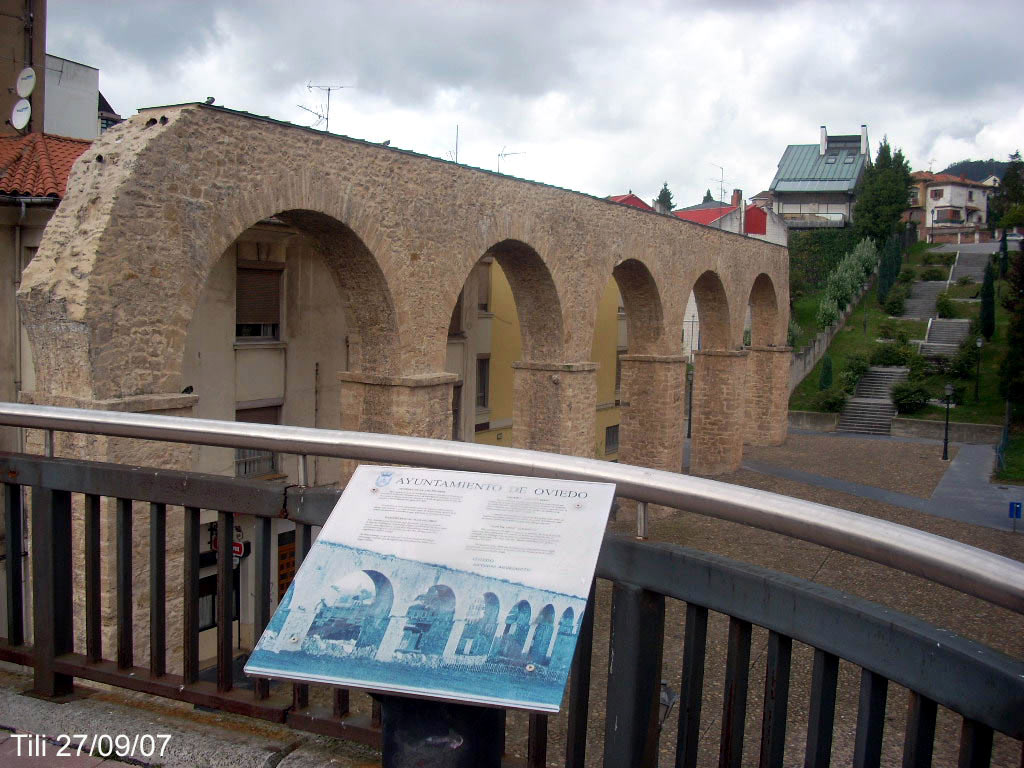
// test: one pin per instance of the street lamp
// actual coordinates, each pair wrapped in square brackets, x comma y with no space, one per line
[979,343]
[945,439]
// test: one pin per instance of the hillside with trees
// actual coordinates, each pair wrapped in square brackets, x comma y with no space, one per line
[977,170]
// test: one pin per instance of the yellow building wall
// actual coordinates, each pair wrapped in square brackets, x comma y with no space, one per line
[604,352]
[506,347]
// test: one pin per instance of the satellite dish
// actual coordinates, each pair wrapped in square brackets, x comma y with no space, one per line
[21,114]
[26,82]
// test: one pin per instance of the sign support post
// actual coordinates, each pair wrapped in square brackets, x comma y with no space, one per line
[433,734]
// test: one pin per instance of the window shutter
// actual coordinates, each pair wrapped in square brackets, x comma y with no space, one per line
[258,293]
[266,415]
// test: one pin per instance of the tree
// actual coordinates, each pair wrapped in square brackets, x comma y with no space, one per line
[987,316]
[883,195]
[1007,204]
[825,378]
[664,198]
[707,197]
[1011,371]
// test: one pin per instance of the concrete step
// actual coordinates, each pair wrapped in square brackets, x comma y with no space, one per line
[971,265]
[922,298]
[939,350]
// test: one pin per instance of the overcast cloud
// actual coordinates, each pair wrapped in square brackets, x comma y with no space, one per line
[598,97]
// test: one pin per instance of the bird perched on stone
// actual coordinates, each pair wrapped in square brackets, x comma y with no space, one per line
[386,143]
[209,100]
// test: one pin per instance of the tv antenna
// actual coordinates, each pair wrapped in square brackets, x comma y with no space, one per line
[325,116]
[454,156]
[503,153]
[721,182]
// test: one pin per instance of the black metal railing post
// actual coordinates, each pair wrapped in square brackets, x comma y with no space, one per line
[634,677]
[51,589]
[13,563]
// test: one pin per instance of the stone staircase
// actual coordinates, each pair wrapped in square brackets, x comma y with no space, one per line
[944,337]
[921,304]
[870,410]
[971,265]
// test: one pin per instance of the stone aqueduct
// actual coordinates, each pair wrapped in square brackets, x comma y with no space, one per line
[151,206]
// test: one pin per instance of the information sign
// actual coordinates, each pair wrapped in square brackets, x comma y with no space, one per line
[451,585]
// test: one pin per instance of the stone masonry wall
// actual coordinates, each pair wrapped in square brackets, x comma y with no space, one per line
[718,412]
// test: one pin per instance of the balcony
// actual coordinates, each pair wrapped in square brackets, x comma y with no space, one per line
[696,637]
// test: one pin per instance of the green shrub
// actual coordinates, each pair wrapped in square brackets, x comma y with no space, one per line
[934,273]
[831,400]
[896,301]
[907,276]
[746,337]
[965,361]
[918,365]
[793,332]
[887,328]
[890,354]
[909,396]
[848,381]
[825,377]
[857,364]
[828,313]
[945,306]
[931,257]
[965,280]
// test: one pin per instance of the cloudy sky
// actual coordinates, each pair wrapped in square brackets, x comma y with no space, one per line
[598,97]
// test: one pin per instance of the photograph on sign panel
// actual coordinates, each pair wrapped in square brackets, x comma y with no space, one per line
[430,582]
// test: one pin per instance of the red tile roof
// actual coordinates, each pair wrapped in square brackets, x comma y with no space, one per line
[630,199]
[705,215]
[944,178]
[37,164]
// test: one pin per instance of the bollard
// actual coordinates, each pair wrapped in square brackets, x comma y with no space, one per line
[433,734]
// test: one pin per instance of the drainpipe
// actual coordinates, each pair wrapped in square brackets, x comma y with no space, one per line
[17,320]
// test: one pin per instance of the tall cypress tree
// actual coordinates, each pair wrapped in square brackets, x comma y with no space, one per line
[987,317]
[665,198]
[1011,372]
[1004,260]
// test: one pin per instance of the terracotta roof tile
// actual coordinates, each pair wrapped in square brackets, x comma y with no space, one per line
[37,164]
[705,215]
[632,200]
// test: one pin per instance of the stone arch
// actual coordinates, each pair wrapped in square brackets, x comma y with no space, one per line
[543,630]
[517,628]
[642,300]
[765,320]
[565,640]
[538,305]
[355,618]
[481,626]
[713,309]
[429,622]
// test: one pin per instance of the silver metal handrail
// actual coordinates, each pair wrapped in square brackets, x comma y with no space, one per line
[967,569]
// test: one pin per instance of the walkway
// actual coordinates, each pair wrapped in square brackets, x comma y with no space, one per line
[963,494]
[970,265]
[921,304]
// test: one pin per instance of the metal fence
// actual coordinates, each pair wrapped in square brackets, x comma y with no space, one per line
[984,687]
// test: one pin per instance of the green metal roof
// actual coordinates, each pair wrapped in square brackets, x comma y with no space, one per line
[804,169]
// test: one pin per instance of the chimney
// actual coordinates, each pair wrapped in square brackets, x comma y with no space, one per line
[737,198]
[864,148]
[824,140]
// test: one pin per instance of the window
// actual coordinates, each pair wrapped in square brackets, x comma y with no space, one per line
[949,216]
[208,601]
[618,371]
[914,196]
[285,562]
[936,194]
[258,299]
[970,194]
[483,381]
[848,160]
[255,462]
[831,158]
[611,439]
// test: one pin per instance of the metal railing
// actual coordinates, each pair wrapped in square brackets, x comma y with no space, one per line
[984,687]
